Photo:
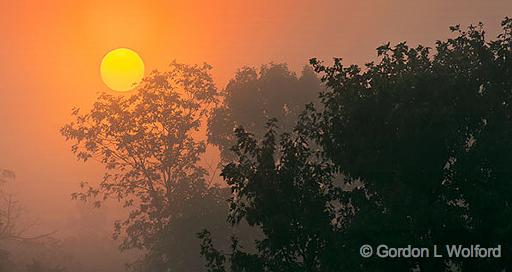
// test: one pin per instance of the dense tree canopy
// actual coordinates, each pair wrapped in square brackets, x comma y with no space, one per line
[429,136]
[423,140]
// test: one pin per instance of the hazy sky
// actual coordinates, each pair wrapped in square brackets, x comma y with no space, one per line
[50,53]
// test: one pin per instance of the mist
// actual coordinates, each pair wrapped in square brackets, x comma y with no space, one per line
[186,171]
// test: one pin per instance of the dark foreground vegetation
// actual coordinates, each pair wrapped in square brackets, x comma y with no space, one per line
[414,148]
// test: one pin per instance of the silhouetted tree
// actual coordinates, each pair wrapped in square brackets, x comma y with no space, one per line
[423,142]
[429,137]
[252,97]
[282,186]
[146,142]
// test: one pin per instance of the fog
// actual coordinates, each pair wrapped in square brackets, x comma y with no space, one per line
[50,55]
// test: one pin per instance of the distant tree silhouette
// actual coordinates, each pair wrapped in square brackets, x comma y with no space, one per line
[423,140]
[9,209]
[16,230]
[6,175]
[252,97]
[88,239]
[37,266]
[146,142]
[12,225]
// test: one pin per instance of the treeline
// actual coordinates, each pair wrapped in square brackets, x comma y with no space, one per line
[414,148]
[16,235]
[83,244]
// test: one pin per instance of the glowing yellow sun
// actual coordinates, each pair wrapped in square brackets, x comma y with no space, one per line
[122,69]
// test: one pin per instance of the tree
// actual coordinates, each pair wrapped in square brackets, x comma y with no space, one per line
[252,97]
[146,142]
[6,225]
[15,230]
[12,225]
[179,239]
[428,136]
[9,209]
[282,186]
[422,140]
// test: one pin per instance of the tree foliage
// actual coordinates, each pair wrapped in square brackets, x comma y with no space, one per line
[148,144]
[422,138]
[252,97]
[282,185]
[428,134]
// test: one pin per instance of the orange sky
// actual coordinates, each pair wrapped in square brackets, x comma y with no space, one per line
[50,53]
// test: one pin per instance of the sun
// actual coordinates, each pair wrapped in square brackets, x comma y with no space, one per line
[122,69]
